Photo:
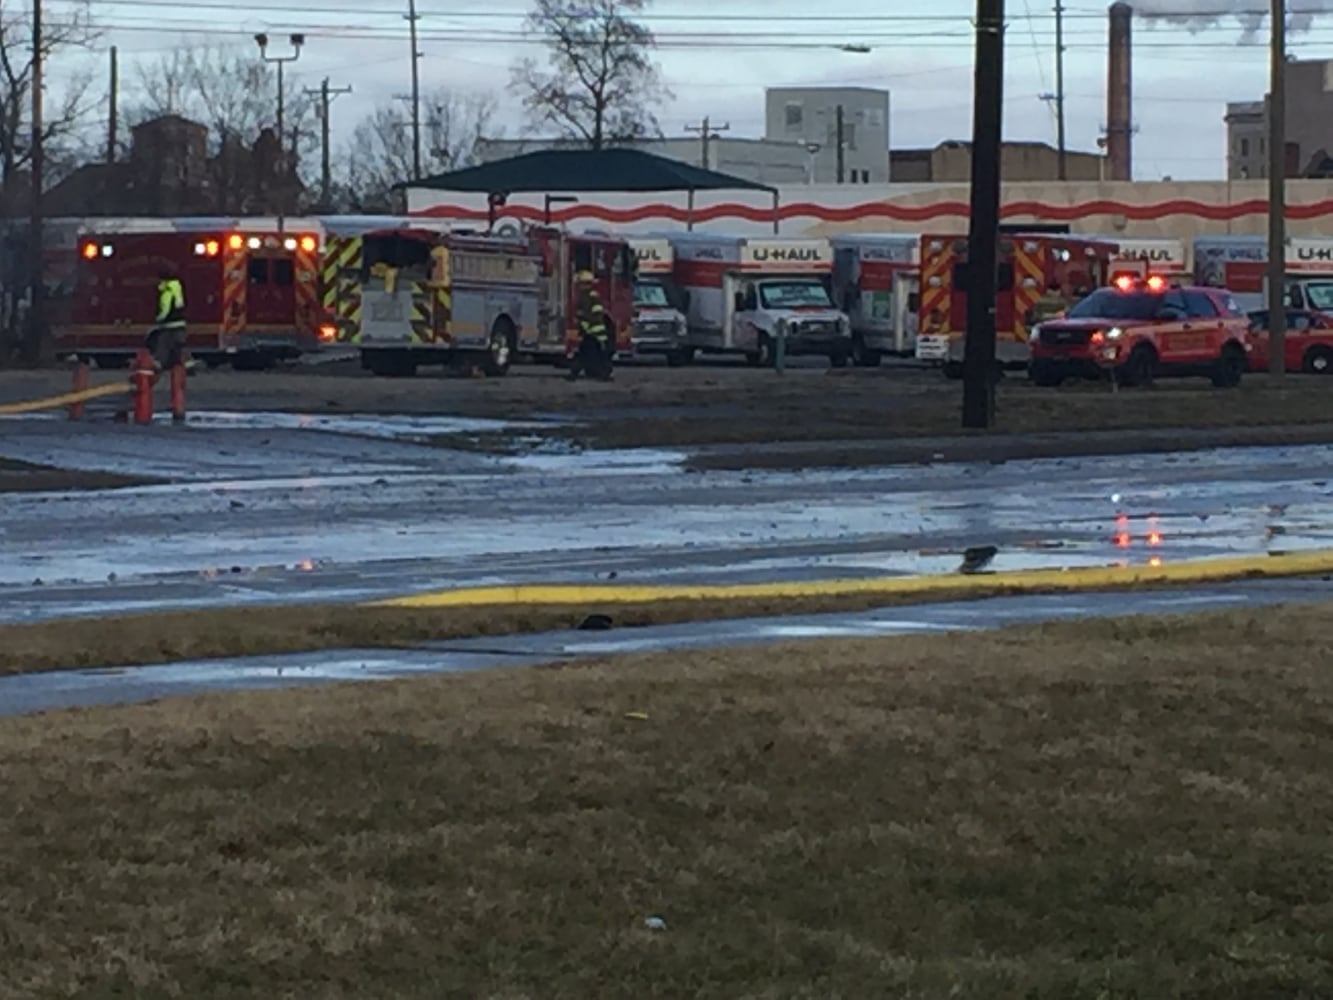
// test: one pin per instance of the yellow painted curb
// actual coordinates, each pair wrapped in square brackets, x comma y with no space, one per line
[1022,581]
[56,402]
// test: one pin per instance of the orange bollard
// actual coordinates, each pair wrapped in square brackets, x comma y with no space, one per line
[80,383]
[178,378]
[143,378]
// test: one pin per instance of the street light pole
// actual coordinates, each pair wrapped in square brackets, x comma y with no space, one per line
[296,40]
[1277,194]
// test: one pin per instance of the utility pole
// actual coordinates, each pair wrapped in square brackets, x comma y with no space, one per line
[412,18]
[1060,88]
[36,332]
[297,40]
[1277,194]
[706,135]
[842,145]
[326,95]
[979,371]
[113,110]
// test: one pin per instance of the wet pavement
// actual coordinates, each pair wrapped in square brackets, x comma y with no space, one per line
[268,508]
[29,693]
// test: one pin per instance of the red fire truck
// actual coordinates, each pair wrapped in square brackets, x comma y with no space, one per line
[251,296]
[411,296]
[1028,265]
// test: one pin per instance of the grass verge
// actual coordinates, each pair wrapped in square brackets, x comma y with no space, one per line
[1101,809]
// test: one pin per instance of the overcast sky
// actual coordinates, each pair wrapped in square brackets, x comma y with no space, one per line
[718,56]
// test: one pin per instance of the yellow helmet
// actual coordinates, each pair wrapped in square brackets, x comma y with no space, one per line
[584,277]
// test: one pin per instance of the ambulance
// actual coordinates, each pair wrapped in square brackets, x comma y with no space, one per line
[745,295]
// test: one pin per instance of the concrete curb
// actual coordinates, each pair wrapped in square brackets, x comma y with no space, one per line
[1272,566]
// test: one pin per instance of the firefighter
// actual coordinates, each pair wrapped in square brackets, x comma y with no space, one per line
[166,340]
[594,354]
[1051,304]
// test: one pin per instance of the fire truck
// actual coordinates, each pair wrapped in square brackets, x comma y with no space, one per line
[412,296]
[1239,264]
[659,324]
[251,293]
[1028,265]
[877,283]
[745,294]
[1141,258]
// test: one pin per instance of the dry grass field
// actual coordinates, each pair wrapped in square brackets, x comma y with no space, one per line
[1116,809]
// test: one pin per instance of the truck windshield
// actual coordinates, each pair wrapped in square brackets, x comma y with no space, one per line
[1111,303]
[793,295]
[652,294]
[1319,296]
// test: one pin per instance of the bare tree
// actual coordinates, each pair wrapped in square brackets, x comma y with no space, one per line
[232,92]
[66,107]
[600,84]
[380,153]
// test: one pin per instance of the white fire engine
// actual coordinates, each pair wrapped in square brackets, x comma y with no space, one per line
[745,294]
[659,324]
[877,283]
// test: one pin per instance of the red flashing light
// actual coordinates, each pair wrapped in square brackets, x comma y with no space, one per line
[1122,540]
[328,332]
[308,244]
[1155,539]
[234,242]
[1156,283]
[1124,282]
[1098,338]
[211,248]
[90,251]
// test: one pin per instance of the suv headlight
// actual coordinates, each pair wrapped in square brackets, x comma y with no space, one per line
[1035,335]
[1115,333]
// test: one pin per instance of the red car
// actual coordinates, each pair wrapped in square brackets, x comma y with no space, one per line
[1140,329]
[1309,341]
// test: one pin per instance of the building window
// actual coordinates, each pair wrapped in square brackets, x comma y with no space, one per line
[848,134]
[1245,147]
[795,117]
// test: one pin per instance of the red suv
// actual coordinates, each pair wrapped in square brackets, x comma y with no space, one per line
[1140,329]
[1309,341]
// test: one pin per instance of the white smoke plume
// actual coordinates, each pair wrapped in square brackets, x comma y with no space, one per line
[1251,15]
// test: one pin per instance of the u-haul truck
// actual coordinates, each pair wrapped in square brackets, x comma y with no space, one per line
[659,324]
[877,283]
[1142,258]
[1240,265]
[745,294]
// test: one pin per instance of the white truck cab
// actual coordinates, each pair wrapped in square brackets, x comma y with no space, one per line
[659,322]
[877,282]
[745,295]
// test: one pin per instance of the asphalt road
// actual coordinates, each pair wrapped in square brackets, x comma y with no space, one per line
[29,693]
[261,509]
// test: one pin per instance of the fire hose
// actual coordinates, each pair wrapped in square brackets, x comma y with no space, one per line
[140,387]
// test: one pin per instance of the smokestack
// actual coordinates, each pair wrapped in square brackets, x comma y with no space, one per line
[1119,95]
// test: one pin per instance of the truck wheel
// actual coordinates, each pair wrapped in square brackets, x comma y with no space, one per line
[839,359]
[762,358]
[500,350]
[865,357]
[1230,368]
[1317,361]
[1139,368]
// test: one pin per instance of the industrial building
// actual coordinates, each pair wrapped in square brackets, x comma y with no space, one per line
[815,117]
[1308,125]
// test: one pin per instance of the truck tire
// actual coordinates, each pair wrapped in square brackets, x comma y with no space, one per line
[1139,369]
[762,358]
[839,359]
[865,357]
[1230,367]
[1318,361]
[500,349]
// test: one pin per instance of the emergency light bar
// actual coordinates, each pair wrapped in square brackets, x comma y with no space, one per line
[1128,282]
[91,251]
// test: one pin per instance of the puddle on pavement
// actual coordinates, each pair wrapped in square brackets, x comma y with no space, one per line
[396,427]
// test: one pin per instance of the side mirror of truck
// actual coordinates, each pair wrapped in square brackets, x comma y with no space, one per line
[740,302]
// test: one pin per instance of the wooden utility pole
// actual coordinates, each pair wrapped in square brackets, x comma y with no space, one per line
[113,107]
[979,368]
[1277,193]
[1060,89]
[412,18]
[707,132]
[36,332]
[326,95]
[842,145]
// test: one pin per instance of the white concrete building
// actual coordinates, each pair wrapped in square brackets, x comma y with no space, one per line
[809,116]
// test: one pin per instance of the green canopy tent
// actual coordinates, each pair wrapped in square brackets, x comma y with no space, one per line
[562,171]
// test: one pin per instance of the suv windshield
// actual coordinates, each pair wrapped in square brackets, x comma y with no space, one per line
[651,294]
[1109,303]
[1320,296]
[793,295]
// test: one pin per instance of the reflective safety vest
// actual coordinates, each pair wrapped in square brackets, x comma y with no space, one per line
[592,316]
[170,304]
